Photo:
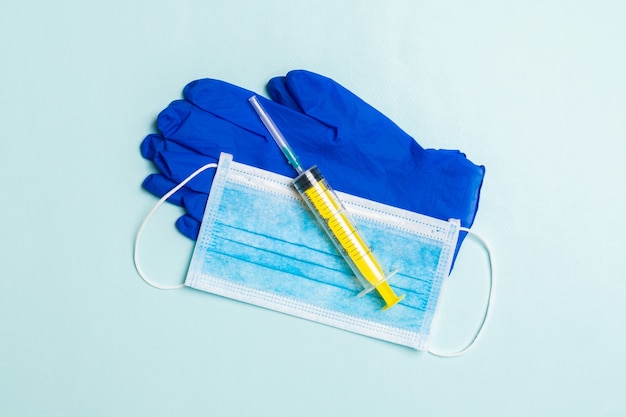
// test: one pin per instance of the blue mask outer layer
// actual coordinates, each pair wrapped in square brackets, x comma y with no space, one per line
[259,244]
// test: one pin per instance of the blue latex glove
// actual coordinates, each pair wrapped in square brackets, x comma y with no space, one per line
[359,150]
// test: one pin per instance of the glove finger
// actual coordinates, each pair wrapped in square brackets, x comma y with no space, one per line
[278,92]
[177,162]
[158,185]
[193,201]
[188,226]
[149,146]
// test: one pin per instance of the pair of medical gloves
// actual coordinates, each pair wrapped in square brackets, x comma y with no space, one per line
[358,149]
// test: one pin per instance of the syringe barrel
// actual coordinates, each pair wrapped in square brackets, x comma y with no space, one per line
[333,218]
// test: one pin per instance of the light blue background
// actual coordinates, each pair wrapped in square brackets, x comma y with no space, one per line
[533,90]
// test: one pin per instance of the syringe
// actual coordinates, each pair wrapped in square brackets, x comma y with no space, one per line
[332,216]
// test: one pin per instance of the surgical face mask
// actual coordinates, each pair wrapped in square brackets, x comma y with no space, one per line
[259,244]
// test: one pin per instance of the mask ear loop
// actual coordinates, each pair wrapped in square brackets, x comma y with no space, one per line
[487,309]
[170,193]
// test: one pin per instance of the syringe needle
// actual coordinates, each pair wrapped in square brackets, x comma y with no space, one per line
[275,133]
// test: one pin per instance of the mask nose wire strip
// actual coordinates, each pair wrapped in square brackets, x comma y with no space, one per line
[170,193]
[487,309]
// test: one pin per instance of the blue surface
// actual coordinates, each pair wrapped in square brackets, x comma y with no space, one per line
[535,91]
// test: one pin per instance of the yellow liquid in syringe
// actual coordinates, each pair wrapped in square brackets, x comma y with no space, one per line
[330,213]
